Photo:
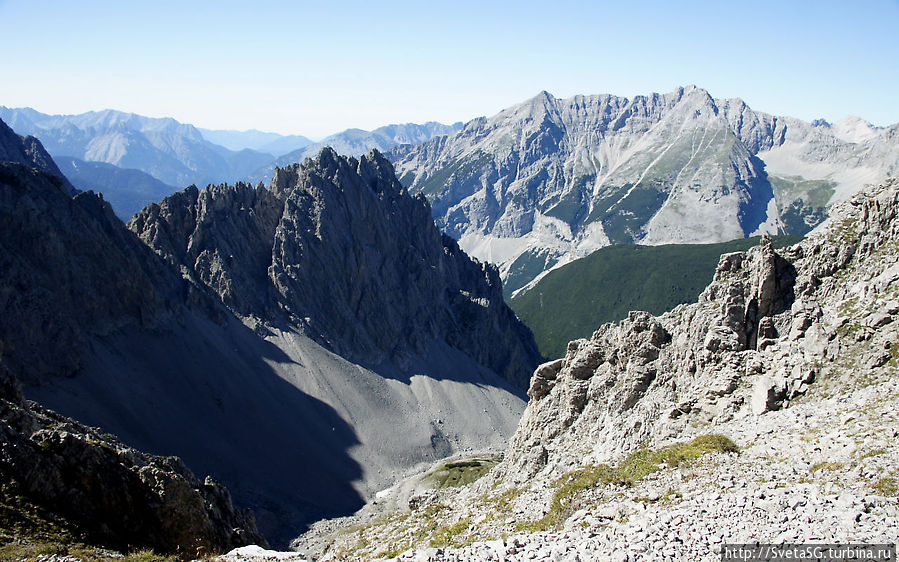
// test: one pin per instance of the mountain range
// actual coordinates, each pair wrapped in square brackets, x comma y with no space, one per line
[171,155]
[355,142]
[310,343]
[550,180]
[305,344]
[172,152]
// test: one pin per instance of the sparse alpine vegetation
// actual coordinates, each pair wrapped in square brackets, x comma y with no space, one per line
[610,455]
[639,464]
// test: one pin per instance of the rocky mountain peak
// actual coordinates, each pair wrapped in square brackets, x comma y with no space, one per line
[327,248]
[548,181]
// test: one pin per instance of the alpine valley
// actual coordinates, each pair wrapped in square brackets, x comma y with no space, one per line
[316,363]
[305,344]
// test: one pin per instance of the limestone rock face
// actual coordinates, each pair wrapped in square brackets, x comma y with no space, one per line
[219,237]
[114,495]
[551,180]
[760,336]
[338,248]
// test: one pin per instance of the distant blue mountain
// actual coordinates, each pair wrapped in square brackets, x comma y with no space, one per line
[127,190]
[261,141]
[355,142]
[172,152]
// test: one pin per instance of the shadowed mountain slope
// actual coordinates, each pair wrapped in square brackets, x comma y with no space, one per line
[218,349]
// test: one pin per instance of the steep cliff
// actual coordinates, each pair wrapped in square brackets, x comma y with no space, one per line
[330,248]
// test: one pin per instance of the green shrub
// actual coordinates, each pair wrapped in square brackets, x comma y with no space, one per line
[459,473]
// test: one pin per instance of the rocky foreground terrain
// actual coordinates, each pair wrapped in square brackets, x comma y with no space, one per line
[64,481]
[764,412]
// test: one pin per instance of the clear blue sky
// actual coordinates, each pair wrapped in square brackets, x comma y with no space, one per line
[315,68]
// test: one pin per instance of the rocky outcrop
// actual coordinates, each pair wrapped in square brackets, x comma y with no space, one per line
[551,180]
[766,328]
[219,237]
[789,358]
[108,493]
[329,249]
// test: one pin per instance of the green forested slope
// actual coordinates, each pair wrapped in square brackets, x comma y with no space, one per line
[574,300]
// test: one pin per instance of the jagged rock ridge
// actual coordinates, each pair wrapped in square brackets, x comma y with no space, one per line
[333,241]
[550,180]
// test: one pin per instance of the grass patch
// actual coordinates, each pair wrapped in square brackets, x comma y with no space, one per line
[872,453]
[641,463]
[32,551]
[635,467]
[886,486]
[825,465]
[459,473]
[446,536]
[148,556]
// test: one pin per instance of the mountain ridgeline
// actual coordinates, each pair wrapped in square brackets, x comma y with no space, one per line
[304,344]
[135,160]
[355,142]
[551,179]
[331,242]
[172,152]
